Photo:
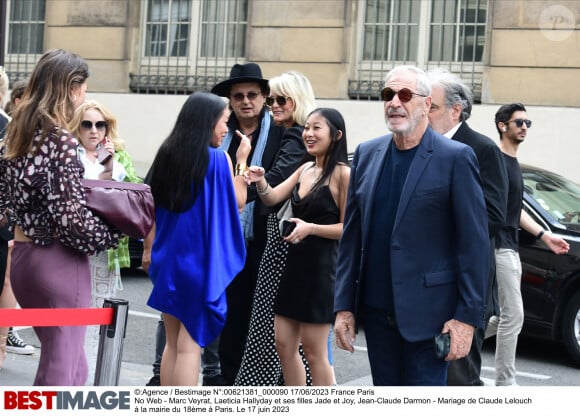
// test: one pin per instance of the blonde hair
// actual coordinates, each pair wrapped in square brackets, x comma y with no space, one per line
[75,123]
[295,85]
[4,82]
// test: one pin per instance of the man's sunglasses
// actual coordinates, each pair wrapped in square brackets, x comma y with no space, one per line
[520,122]
[100,125]
[238,97]
[280,100]
[405,95]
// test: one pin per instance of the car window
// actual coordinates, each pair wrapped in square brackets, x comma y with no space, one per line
[555,194]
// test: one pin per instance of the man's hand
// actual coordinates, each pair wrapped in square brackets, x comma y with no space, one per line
[344,330]
[461,337]
[556,244]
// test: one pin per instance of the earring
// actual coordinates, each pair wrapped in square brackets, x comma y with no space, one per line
[74,98]
[504,129]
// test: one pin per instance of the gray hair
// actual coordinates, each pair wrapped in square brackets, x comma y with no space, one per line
[456,91]
[423,82]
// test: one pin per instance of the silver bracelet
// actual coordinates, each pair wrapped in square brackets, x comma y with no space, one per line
[264,191]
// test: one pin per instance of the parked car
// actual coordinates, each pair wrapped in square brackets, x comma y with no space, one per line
[551,283]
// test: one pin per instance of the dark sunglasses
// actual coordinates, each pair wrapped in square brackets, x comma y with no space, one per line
[405,95]
[520,122]
[100,125]
[280,100]
[238,97]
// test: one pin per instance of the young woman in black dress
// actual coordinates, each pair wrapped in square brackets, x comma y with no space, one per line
[304,303]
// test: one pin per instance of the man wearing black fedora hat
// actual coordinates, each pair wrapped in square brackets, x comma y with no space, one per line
[247,90]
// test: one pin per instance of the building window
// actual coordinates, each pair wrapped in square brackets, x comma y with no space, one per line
[190,45]
[223,29]
[457,30]
[25,41]
[391,30]
[425,33]
[167,28]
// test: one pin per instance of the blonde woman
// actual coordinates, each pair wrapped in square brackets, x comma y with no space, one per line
[96,128]
[291,100]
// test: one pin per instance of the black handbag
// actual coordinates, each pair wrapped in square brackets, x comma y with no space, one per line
[127,206]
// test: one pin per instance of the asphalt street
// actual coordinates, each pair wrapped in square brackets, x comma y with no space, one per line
[539,363]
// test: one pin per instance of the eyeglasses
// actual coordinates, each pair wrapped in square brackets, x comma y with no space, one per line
[238,97]
[280,100]
[519,122]
[100,125]
[405,95]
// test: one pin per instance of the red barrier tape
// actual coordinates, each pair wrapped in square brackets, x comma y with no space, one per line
[55,316]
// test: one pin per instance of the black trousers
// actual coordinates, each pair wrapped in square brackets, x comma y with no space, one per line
[466,371]
[239,294]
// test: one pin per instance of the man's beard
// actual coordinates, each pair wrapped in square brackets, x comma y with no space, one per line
[413,122]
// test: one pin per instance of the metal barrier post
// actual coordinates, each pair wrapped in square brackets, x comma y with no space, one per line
[111,341]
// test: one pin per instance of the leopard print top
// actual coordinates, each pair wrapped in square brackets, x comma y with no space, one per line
[42,193]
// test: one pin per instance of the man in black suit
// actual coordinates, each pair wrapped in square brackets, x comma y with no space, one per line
[247,90]
[450,109]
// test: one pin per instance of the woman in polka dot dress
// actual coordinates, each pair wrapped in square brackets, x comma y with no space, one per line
[291,100]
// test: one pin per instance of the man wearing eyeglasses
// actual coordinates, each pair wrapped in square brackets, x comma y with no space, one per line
[512,124]
[247,90]
[450,109]
[410,261]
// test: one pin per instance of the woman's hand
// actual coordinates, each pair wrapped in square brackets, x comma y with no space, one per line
[300,232]
[108,144]
[255,174]
[244,148]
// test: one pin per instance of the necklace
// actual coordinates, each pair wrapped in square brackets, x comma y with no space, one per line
[315,177]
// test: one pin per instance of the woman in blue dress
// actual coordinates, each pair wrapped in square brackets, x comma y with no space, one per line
[198,246]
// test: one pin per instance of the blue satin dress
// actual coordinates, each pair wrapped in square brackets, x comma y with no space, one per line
[197,253]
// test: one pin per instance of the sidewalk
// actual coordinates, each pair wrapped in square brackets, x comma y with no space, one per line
[20,370]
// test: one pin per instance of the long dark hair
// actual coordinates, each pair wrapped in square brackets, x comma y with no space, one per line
[179,168]
[338,151]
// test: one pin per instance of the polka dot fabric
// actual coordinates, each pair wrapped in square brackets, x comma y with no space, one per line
[260,363]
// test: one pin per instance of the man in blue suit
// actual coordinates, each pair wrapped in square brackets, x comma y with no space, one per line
[413,257]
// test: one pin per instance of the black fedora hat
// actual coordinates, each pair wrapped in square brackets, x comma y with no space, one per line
[241,73]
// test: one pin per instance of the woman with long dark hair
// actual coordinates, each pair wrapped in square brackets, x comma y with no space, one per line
[303,306]
[198,246]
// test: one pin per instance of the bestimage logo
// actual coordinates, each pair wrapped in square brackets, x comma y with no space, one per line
[66,400]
